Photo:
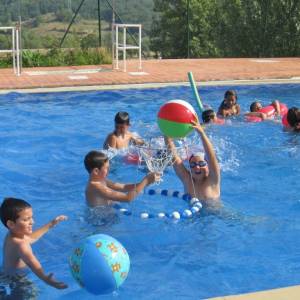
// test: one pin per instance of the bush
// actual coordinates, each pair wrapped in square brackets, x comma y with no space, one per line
[60,57]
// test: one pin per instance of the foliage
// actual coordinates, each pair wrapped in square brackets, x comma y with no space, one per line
[61,57]
[226,28]
[210,28]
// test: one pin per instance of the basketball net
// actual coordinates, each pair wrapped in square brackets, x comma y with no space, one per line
[156,155]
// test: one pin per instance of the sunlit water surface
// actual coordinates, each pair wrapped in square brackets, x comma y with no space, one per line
[251,244]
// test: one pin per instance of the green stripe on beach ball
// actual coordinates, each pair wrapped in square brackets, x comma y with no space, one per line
[174,129]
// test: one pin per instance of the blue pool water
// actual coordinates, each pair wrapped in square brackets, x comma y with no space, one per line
[250,244]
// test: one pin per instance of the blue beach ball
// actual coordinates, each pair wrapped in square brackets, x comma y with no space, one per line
[100,264]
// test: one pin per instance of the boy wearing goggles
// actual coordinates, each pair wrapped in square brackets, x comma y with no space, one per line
[202,178]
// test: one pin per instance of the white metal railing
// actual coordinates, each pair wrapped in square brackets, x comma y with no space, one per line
[15,48]
[123,46]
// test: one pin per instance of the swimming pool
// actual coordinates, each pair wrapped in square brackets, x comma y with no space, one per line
[251,244]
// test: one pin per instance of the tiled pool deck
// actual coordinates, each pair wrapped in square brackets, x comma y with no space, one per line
[153,72]
[164,72]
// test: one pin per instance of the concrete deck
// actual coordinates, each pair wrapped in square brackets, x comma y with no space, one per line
[154,71]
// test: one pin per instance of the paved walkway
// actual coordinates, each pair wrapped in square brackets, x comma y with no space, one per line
[154,71]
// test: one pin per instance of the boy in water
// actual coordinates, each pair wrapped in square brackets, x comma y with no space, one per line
[121,137]
[210,117]
[17,216]
[229,106]
[101,191]
[256,106]
[203,179]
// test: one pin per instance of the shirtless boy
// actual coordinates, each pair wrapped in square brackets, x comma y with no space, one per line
[17,216]
[102,191]
[121,137]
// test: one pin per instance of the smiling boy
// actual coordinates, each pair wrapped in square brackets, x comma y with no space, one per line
[17,216]
[202,179]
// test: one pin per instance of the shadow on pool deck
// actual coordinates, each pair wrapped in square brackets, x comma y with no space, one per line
[154,71]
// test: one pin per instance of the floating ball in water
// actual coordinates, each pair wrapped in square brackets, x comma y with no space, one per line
[100,264]
[174,118]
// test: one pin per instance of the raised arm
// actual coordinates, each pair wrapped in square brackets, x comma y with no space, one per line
[41,231]
[177,161]
[26,254]
[214,168]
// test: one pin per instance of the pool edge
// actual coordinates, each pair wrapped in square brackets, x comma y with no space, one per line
[151,85]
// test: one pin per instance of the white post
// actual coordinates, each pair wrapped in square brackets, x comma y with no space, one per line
[140,47]
[124,47]
[14,49]
[18,51]
[117,46]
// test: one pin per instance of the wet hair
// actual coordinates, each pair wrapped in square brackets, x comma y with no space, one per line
[293,116]
[230,93]
[95,159]
[208,115]
[122,117]
[253,106]
[11,208]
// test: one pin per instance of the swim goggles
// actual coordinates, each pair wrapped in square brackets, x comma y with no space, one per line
[200,164]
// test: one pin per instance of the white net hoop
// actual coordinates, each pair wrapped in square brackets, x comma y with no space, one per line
[156,155]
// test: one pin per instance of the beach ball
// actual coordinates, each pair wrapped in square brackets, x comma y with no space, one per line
[100,264]
[174,118]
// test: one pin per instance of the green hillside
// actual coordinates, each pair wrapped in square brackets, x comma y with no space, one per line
[45,22]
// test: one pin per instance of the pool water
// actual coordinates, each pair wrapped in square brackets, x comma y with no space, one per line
[250,244]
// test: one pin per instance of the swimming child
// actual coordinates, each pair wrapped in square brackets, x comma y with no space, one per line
[202,179]
[121,137]
[293,118]
[229,106]
[101,191]
[17,216]
[210,117]
[256,106]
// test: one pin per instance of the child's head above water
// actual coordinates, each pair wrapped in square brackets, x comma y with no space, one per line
[255,106]
[11,208]
[208,115]
[122,117]
[230,97]
[95,159]
[293,117]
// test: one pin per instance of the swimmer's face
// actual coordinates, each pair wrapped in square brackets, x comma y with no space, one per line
[23,224]
[103,171]
[121,128]
[199,168]
[257,107]
[230,100]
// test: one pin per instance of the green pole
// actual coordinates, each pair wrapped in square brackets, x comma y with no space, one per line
[195,92]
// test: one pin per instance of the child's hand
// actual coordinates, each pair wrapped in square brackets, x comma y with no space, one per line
[197,125]
[152,177]
[58,219]
[57,284]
